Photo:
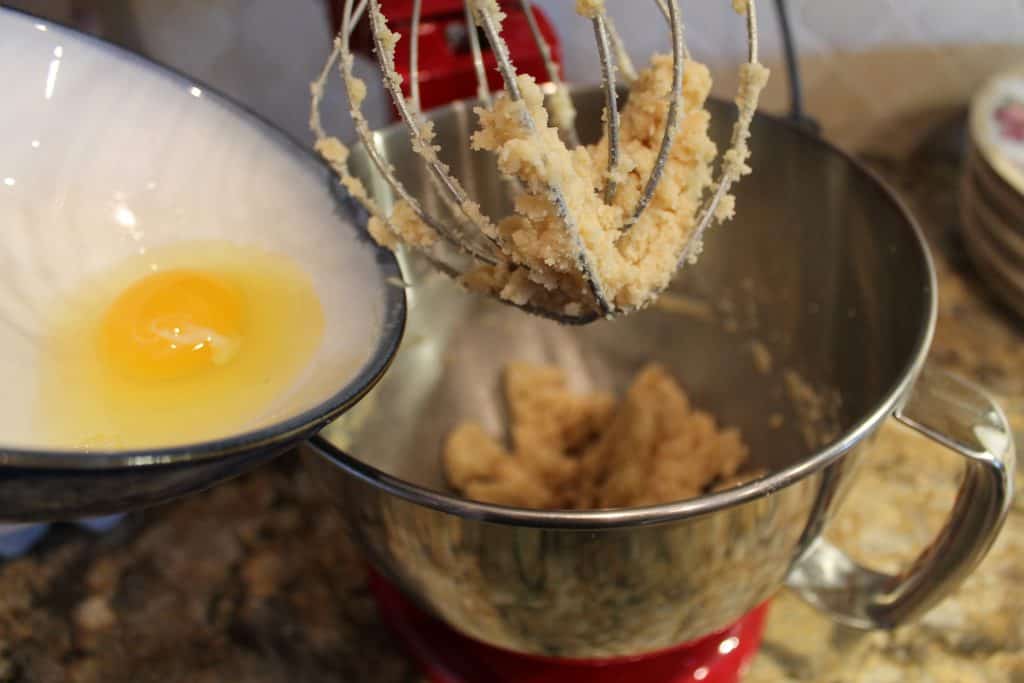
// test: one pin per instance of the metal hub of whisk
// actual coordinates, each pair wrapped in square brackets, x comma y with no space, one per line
[471,232]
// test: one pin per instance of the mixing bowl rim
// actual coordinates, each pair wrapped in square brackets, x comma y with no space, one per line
[669,512]
[296,427]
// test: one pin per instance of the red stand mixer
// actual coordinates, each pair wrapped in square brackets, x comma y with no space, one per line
[445,65]
[447,73]
[447,656]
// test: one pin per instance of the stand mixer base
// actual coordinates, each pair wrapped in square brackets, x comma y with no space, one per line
[446,656]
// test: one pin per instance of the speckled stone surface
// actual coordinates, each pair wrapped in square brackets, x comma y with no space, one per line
[255,580]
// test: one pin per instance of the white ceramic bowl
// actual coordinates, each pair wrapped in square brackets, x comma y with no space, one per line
[103,154]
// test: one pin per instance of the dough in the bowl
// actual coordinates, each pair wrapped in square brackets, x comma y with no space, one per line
[580,451]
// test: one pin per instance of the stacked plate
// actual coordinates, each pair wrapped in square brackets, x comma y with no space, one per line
[992,186]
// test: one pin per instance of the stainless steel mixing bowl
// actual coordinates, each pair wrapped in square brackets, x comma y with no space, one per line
[826,269]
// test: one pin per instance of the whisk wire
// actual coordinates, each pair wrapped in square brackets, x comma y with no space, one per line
[422,143]
[489,22]
[414,56]
[563,113]
[483,90]
[674,115]
[611,107]
[729,171]
[356,89]
[622,59]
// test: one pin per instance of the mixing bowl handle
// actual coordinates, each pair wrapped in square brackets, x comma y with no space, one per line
[960,416]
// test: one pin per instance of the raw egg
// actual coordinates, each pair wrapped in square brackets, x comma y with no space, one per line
[181,344]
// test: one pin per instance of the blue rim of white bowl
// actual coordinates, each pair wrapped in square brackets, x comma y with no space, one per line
[294,428]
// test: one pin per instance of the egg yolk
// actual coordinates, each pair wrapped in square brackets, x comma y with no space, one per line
[172,324]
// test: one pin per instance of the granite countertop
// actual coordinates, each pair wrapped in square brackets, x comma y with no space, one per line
[255,581]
